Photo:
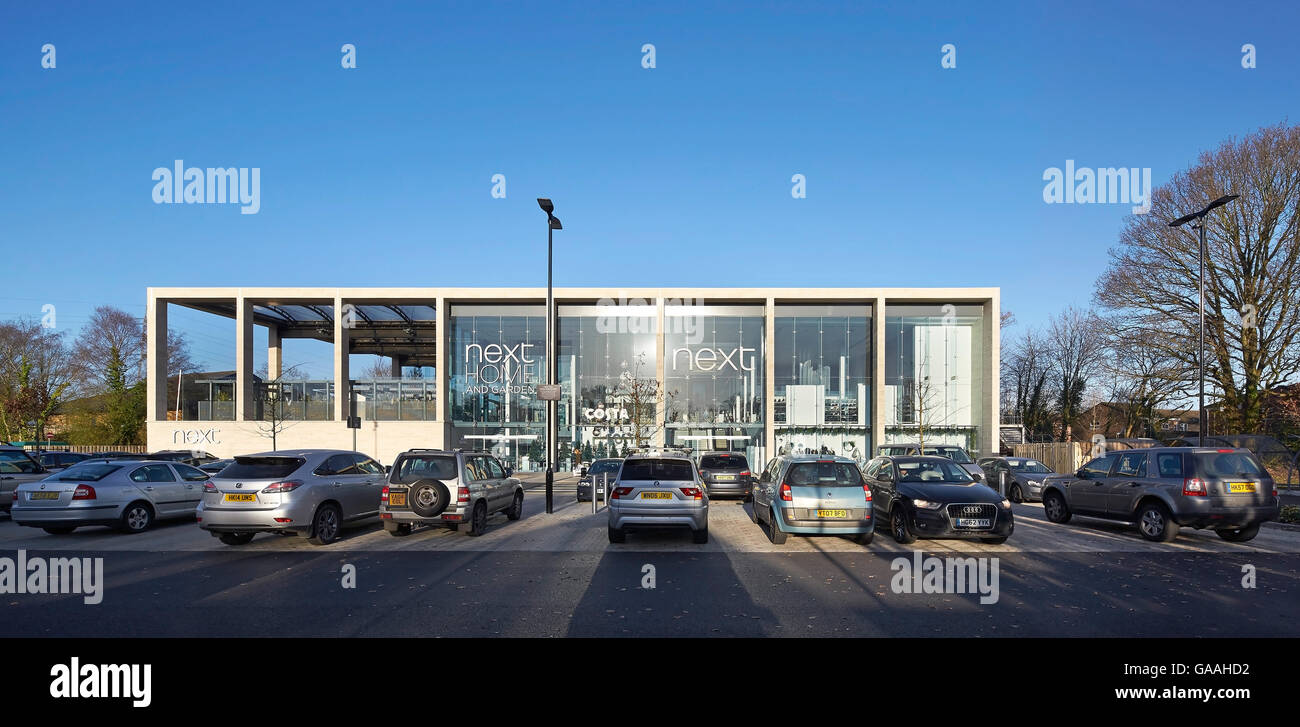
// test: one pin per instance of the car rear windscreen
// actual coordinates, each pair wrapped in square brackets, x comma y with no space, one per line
[838,474]
[657,469]
[605,466]
[433,467]
[723,461]
[261,468]
[1227,464]
[87,472]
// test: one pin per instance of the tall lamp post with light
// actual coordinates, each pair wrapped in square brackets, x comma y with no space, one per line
[1199,218]
[550,394]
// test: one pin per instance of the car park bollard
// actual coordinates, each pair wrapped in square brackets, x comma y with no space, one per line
[1002,483]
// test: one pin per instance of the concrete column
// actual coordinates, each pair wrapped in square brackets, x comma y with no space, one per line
[877,375]
[274,354]
[245,407]
[156,358]
[442,369]
[341,373]
[661,414]
[397,367]
[769,379]
[992,356]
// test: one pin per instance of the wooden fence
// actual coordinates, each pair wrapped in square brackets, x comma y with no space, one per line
[1062,457]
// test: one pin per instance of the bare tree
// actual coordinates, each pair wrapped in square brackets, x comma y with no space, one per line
[1252,270]
[275,400]
[643,397]
[114,330]
[1139,379]
[37,375]
[1074,343]
[1026,382]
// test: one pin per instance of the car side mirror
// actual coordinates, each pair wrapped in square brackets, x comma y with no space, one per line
[388,468]
[977,477]
[1081,474]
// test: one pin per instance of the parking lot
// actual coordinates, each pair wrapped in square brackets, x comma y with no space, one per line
[574,528]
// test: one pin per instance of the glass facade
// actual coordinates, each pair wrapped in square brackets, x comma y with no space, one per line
[496,358]
[713,378]
[934,374]
[607,369]
[822,380]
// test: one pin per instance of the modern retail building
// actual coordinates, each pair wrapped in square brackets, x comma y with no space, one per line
[758,370]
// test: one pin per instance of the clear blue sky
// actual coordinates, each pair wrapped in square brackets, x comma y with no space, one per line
[679,175]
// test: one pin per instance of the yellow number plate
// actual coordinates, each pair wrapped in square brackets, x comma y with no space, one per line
[397,498]
[656,495]
[241,498]
[44,496]
[1241,487]
[832,513]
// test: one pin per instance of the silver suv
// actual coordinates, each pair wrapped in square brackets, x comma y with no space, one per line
[658,489]
[456,488]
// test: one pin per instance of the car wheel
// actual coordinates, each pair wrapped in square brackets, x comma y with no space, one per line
[478,520]
[397,529]
[994,541]
[1156,524]
[1015,495]
[516,510]
[617,535]
[1055,508]
[58,531]
[236,538]
[428,497]
[136,518]
[864,538]
[701,536]
[898,526]
[774,532]
[326,525]
[1239,535]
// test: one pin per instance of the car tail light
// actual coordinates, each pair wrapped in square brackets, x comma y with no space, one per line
[209,487]
[694,493]
[1225,451]
[744,473]
[620,492]
[1274,490]
[284,520]
[866,491]
[83,492]
[785,493]
[1194,487]
[16,495]
[462,494]
[283,487]
[383,495]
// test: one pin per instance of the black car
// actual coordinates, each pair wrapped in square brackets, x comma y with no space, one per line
[60,460]
[602,470]
[1024,477]
[184,456]
[726,473]
[934,497]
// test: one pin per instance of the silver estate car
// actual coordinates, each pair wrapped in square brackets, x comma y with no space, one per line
[129,495]
[311,492]
[658,489]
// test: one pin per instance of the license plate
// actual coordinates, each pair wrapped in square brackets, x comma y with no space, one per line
[656,495]
[724,478]
[240,498]
[397,498]
[44,496]
[1241,487]
[832,513]
[968,522]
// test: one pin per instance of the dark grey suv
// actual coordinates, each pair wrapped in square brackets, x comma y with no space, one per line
[1164,488]
[726,473]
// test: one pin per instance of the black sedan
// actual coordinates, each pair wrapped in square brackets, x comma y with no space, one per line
[934,497]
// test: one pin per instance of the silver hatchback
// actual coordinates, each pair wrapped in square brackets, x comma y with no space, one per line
[126,494]
[655,490]
[311,492]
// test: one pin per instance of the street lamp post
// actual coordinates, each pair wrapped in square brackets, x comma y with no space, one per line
[1199,217]
[552,224]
